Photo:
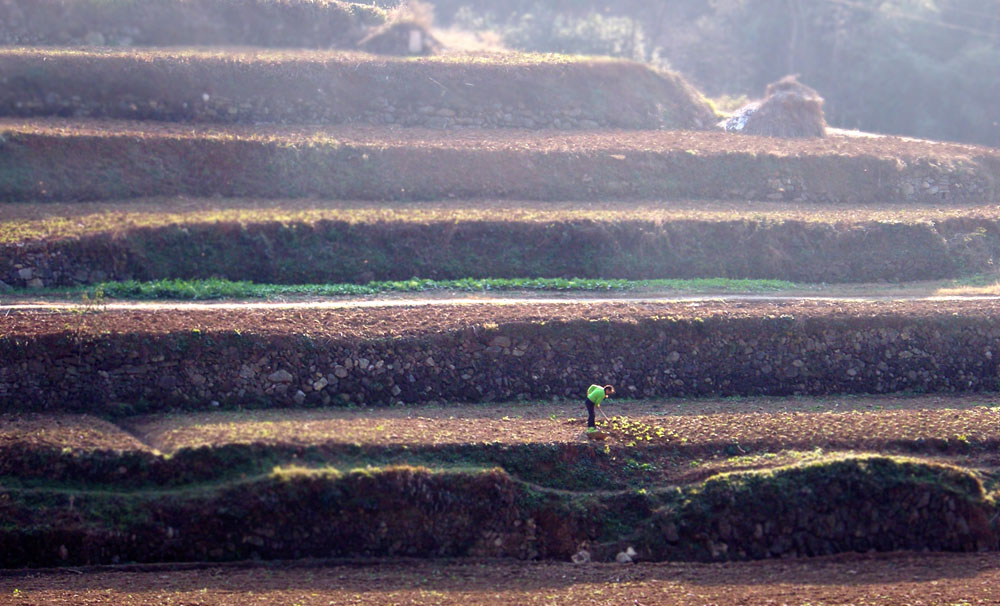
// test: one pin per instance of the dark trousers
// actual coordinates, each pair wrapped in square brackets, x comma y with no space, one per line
[590,412]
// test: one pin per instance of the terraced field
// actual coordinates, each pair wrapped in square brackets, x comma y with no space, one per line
[58,159]
[173,476]
[321,440]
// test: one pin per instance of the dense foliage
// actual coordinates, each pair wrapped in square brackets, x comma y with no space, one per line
[915,67]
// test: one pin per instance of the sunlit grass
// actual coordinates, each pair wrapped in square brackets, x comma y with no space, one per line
[507,58]
[22,222]
[979,285]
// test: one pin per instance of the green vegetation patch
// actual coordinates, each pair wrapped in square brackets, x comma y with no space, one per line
[883,470]
[225,289]
[576,467]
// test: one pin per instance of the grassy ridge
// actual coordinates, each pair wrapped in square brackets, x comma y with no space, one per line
[22,222]
[339,247]
[822,507]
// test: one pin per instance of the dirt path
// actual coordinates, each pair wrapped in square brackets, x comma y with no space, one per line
[375,319]
[432,299]
[859,580]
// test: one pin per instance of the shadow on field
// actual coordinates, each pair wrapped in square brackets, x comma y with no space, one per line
[363,576]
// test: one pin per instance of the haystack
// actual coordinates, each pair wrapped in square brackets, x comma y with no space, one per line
[790,84]
[400,38]
[790,110]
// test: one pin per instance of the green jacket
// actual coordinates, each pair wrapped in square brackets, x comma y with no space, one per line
[595,393]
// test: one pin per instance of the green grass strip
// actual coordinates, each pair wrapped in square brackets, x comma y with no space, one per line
[226,289]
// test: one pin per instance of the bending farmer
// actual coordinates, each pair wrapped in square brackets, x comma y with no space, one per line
[596,395]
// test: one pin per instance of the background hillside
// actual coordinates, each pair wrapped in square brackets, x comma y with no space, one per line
[924,68]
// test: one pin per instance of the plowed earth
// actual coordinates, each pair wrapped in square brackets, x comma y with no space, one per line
[771,423]
[860,580]
[402,321]
[79,432]
[614,141]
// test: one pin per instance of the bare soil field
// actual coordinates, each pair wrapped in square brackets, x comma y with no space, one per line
[59,159]
[402,321]
[898,579]
[860,423]
[77,432]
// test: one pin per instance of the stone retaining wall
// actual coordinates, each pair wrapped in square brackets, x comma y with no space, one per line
[647,357]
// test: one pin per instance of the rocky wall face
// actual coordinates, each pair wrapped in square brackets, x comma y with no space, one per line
[649,358]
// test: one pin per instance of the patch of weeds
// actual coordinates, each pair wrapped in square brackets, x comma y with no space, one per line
[634,433]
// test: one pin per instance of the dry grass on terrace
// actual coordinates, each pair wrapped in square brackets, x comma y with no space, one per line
[21,222]
[511,140]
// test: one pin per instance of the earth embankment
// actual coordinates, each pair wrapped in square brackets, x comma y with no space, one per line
[457,240]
